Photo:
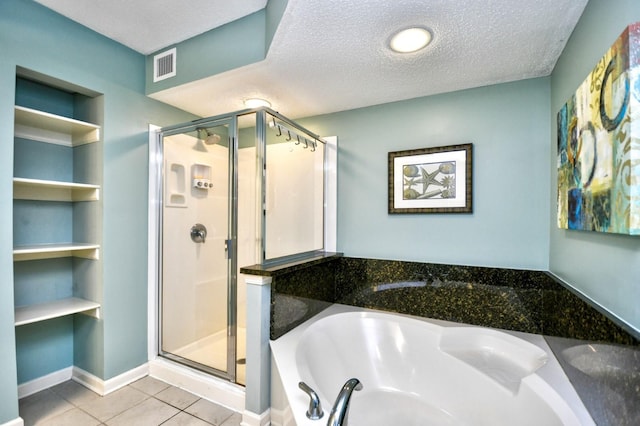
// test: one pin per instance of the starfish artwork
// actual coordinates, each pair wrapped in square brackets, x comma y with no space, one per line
[431,180]
[421,181]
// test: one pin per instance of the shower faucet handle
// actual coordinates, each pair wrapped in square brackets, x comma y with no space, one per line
[198,233]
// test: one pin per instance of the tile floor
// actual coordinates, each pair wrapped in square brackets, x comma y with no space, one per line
[146,402]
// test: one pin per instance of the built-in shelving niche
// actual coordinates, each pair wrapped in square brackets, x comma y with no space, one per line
[57,224]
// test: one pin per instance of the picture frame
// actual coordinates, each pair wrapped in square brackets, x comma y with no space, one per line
[431,180]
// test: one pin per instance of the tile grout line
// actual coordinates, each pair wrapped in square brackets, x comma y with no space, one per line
[80,398]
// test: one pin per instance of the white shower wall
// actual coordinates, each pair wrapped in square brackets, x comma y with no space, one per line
[194,296]
[294,199]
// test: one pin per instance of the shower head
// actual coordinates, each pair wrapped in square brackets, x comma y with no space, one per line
[207,137]
[212,139]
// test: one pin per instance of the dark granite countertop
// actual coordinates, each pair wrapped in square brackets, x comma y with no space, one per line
[606,376]
[291,266]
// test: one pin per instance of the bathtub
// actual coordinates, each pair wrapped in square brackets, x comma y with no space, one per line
[417,371]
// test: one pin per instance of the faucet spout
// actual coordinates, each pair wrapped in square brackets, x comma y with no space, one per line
[340,410]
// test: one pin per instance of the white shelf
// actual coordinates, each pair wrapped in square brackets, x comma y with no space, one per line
[55,309]
[39,136]
[49,190]
[50,128]
[52,251]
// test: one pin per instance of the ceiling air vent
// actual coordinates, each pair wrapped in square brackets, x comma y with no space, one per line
[164,65]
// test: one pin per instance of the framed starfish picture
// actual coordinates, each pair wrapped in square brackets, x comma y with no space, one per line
[431,180]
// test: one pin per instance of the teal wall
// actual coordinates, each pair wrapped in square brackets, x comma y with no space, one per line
[606,268]
[35,38]
[236,44]
[274,11]
[239,43]
[508,125]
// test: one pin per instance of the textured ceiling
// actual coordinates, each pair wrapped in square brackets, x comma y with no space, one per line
[150,25]
[331,55]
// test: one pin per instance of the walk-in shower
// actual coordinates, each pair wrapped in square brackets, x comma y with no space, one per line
[234,190]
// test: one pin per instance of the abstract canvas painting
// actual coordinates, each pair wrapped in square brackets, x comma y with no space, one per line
[599,145]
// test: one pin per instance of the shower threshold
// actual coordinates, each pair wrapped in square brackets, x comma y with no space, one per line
[211,351]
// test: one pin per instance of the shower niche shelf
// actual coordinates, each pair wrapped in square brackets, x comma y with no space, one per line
[176,186]
[201,176]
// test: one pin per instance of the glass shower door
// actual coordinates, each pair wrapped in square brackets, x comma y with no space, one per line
[197,303]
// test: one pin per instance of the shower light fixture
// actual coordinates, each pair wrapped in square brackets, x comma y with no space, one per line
[410,40]
[256,103]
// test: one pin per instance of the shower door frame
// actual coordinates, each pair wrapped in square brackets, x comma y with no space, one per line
[231,242]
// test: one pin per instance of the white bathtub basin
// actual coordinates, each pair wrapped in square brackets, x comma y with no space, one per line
[421,372]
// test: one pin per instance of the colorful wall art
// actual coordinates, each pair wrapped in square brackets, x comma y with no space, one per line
[599,145]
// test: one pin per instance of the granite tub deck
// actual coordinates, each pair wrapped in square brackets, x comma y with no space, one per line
[606,374]
[299,290]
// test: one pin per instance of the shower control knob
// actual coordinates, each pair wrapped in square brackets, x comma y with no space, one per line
[202,183]
[198,233]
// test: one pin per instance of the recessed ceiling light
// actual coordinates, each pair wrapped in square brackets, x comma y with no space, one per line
[410,40]
[256,103]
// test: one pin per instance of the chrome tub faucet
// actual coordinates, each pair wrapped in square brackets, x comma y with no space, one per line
[340,410]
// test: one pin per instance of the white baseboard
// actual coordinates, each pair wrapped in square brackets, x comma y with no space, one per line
[14,422]
[44,382]
[253,419]
[105,387]
[204,385]
[88,380]
[282,417]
